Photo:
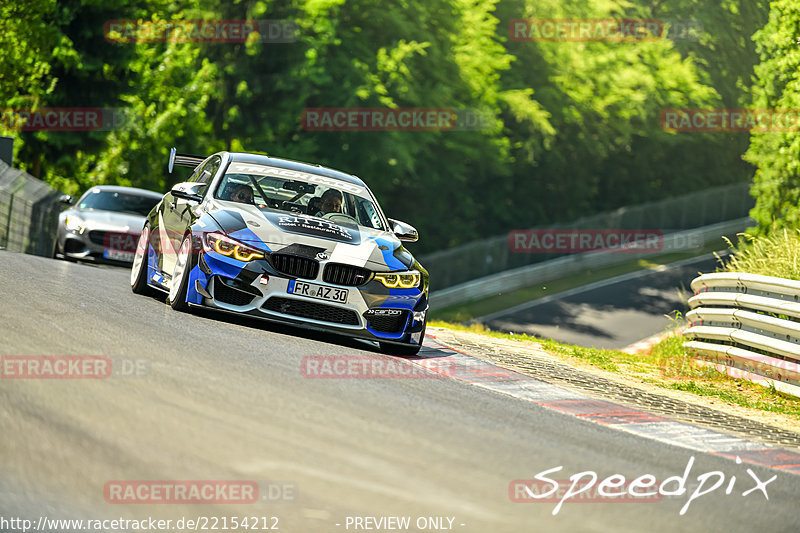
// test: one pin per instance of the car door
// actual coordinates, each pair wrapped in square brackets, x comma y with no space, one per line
[177,214]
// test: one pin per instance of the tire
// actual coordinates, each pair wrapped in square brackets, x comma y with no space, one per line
[139,267]
[180,276]
[59,253]
[406,350]
[56,250]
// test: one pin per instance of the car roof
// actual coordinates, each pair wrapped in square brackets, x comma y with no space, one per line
[259,159]
[132,190]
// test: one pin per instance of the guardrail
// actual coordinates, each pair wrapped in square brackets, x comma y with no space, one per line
[526,276]
[748,326]
[491,256]
[29,211]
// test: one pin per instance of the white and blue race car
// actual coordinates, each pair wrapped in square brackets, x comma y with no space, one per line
[284,241]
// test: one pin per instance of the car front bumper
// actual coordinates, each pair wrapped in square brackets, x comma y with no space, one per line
[371,311]
[100,246]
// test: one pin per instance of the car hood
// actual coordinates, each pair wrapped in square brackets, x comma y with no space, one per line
[308,235]
[108,220]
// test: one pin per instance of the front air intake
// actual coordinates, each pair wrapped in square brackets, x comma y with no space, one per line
[347,275]
[294,266]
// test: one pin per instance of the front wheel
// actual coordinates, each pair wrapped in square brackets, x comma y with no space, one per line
[56,250]
[403,349]
[139,268]
[180,276]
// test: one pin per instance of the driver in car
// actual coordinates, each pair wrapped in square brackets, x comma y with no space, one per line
[331,202]
[240,193]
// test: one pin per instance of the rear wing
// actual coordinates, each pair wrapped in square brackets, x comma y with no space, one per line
[183,160]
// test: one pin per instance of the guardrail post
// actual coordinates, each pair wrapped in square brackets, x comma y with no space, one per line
[8,220]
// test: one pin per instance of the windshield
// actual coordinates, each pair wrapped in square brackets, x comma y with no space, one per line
[299,192]
[119,202]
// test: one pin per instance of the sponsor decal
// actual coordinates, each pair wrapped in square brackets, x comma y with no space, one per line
[383,312]
[317,227]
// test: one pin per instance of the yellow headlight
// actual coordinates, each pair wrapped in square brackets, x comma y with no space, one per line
[245,254]
[402,280]
[229,247]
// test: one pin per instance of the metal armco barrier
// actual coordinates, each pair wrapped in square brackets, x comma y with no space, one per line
[29,211]
[492,256]
[527,276]
[748,325]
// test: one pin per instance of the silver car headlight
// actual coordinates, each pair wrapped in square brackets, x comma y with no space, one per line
[399,280]
[74,223]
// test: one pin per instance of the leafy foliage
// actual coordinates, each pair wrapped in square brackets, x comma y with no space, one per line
[570,128]
[777,154]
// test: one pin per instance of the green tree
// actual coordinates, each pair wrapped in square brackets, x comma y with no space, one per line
[776,155]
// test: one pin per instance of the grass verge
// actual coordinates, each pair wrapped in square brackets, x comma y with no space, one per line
[777,254]
[666,365]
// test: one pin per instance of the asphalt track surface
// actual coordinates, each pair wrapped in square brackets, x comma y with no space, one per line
[224,398]
[612,314]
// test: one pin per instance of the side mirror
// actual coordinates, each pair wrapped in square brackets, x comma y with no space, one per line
[188,190]
[66,199]
[404,232]
[172,153]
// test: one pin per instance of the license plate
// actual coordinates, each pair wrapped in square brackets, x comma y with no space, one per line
[118,255]
[313,290]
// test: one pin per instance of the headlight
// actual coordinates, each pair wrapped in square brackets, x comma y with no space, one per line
[74,223]
[222,244]
[399,280]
